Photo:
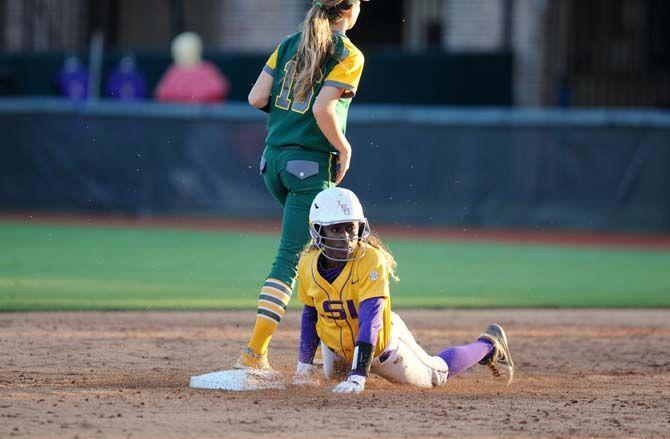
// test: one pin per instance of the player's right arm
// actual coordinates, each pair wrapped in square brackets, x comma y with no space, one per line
[306,371]
[259,96]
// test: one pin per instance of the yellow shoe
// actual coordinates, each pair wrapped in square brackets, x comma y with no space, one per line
[248,359]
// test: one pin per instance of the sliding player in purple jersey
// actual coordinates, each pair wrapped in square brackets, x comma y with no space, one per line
[343,281]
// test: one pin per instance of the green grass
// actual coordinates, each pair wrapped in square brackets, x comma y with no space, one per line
[82,268]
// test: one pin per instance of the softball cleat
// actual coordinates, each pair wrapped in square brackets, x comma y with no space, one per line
[250,360]
[500,356]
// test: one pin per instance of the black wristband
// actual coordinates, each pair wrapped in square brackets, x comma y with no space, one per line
[362,359]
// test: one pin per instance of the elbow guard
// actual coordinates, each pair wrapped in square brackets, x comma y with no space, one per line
[362,359]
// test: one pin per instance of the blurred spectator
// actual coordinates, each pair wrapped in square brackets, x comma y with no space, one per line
[126,81]
[73,79]
[189,78]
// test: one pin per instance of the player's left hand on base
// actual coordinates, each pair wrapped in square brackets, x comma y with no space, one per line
[353,384]
[306,375]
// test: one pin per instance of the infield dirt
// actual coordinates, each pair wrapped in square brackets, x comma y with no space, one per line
[581,373]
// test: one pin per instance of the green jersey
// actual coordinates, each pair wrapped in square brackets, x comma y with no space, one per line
[292,123]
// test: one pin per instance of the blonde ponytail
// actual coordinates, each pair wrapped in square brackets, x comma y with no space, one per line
[315,46]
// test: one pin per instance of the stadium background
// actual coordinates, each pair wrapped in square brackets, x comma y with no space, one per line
[513,153]
[525,115]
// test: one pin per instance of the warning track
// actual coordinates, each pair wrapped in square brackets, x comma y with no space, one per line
[526,237]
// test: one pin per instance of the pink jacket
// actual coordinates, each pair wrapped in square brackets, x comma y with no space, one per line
[201,83]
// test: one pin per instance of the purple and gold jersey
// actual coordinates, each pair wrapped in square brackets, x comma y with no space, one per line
[338,303]
[292,123]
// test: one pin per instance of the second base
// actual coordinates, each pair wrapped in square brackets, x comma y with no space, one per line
[238,380]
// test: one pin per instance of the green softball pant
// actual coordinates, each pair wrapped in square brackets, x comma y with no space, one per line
[294,175]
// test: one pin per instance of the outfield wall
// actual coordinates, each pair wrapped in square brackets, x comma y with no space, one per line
[602,170]
[438,78]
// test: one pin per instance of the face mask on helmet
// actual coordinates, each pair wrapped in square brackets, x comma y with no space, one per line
[341,249]
[337,206]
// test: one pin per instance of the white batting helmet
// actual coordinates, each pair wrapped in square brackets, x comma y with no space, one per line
[334,206]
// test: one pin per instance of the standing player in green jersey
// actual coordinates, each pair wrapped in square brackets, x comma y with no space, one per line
[306,87]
